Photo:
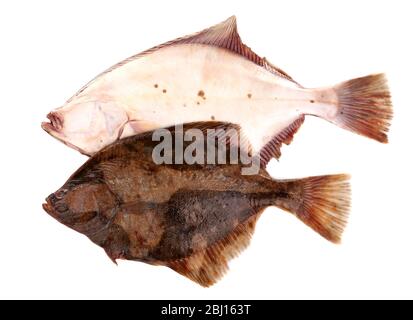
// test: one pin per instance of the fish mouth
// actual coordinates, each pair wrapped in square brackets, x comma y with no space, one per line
[48,208]
[54,128]
[53,206]
[55,124]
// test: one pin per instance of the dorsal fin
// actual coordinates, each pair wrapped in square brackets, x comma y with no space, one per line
[223,35]
[207,266]
[273,147]
[272,68]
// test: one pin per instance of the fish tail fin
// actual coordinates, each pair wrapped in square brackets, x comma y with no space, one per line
[364,106]
[321,202]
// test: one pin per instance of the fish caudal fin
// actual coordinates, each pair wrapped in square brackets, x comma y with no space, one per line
[364,106]
[320,202]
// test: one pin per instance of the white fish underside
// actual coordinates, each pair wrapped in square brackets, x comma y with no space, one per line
[208,76]
[194,82]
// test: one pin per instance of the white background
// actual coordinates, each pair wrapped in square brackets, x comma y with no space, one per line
[49,49]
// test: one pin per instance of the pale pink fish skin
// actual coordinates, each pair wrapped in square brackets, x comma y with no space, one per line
[187,82]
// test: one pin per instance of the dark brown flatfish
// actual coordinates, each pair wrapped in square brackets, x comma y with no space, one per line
[191,218]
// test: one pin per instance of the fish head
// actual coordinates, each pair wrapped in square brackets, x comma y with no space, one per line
[90,208]
[87,126]
[85,206]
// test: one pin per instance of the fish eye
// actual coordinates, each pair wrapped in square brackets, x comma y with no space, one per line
[60,194]
[61,208]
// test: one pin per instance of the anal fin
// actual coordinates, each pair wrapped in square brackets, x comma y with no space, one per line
[207,266]
[273,148]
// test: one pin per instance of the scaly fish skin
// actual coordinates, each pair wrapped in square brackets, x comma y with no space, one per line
[212,75]
[191,218]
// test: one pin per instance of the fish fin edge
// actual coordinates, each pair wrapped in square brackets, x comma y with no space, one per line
[365,107]
[208,266]
[323,204]
[230,134]
[273,148]
[223,35]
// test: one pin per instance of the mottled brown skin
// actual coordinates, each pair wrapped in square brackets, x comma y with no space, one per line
[161,214]
[163,211]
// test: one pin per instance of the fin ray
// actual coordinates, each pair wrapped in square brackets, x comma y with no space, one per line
[322,203]
[364,106]
[273,148]
[223,35]
[208,266]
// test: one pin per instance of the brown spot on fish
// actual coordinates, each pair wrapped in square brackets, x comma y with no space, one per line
[164,90]
[201,93]
[155,85]
[197,103]
[249,95]
[312,101]
[212,118]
